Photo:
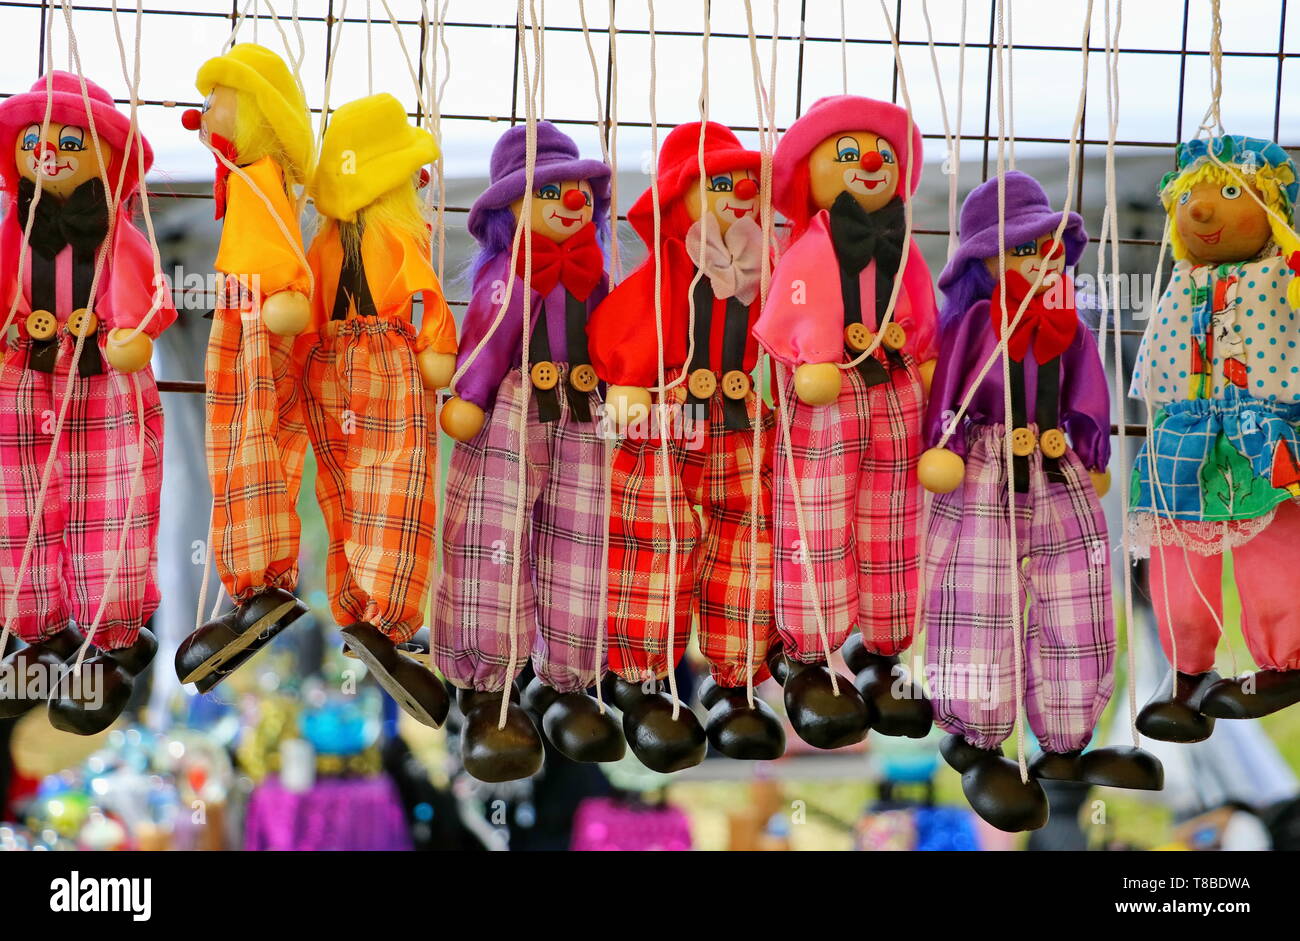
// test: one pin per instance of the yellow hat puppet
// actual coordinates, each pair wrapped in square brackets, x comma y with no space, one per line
[369,381]
[255,122]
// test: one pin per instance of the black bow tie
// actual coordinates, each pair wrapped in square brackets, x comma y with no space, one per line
[861,237]
[80,221]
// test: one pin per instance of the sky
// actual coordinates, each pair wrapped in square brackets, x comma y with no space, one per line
[1043,82]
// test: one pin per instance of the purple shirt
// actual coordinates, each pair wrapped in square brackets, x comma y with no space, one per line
[502,352]
[1084,400]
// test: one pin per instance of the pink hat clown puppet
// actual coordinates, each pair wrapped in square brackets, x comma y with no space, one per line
[1220,369]
[94,555]
[972,605]
[559,622]
[706,271]
[842,174]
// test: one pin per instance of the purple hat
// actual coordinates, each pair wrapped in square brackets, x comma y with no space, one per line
[1028,216]
[557,161]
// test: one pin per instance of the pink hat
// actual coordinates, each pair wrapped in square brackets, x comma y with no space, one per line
[112,126]
[836,114]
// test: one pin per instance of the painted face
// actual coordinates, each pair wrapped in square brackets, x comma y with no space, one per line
[1220,222]
[857,162]
[729,196]
[1028,258]
[64,154]
[559,209]
[219,112]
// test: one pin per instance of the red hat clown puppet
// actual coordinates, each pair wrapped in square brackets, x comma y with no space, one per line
[560,577]
[81,284]
[846,508]
[369,385]
[255,122]
[980,571]
[707,265]
[1219,368]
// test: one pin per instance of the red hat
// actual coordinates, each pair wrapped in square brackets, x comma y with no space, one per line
[68,107]
[836,114]
[679,166]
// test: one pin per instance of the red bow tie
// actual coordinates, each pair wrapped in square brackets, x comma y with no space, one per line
[577,262]
[1049,321]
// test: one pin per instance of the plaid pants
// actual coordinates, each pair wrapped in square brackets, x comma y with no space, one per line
[256,447]
[712,470]
[561,572]
[370,422]
[1064,571]
[855,467]
[88,503]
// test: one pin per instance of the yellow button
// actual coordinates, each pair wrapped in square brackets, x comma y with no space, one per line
[583,378]
[83,322]
[544,375]
[703,383]
[735,385]
[41,325]
[857,337]
[895,337]
[1023,441]
[1052,443]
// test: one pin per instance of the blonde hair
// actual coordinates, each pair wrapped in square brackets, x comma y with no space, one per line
[256,137]
[1265,182]
[398,209]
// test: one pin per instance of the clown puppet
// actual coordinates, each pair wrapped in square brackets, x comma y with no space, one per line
[95,548]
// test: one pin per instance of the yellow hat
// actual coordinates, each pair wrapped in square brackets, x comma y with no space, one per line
[369,149]
[259,72]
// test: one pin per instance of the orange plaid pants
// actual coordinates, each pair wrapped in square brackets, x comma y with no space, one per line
[371,426]
[256,445]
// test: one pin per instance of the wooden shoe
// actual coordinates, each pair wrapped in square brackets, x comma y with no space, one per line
[1257,695]
[27,675]
[89,698]
[420,694]
[240,632]
[574,724]
[495,754]
[737,729]
[659,741]
[819,717]
[1173,713]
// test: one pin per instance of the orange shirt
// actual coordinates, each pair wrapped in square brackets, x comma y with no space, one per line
[397,268]
[253,247]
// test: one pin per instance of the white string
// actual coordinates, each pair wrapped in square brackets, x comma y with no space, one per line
[951,140]
[844,50]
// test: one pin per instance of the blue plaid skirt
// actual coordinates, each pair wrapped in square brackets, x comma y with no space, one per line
[1234,458]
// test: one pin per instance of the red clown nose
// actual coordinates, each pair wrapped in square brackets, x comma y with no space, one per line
[746,189]
[1056,250]
[872,161]
[574,200]
[191,118]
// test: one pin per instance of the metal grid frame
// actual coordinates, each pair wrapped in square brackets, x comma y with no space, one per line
[986,137]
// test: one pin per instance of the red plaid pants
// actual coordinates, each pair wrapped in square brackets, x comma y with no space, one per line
[711,468]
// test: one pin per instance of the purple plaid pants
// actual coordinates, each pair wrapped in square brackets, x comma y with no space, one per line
[1064,571]
[561,573]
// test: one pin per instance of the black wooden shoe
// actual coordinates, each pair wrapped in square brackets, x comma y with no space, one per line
[89,699]
[575,725]
[659,741]
[960,754]
[1058,766]
[420,694]
[995,791]
[1123,766]
[495,754]
[240,632]
[28,674]
[207,683]
[737,729]
[819,717]
[900,707]
[1173,714]
[1252,697]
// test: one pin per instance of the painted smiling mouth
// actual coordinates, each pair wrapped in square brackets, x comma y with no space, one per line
[566,220]
[1211,238]
[54,170]
[738,211]
[868,183]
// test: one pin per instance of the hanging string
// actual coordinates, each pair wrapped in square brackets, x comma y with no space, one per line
[1010,47]
[951,138]
[616,260]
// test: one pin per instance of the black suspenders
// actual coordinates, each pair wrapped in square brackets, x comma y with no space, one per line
[1046,414]
[44,353]
[539,351]
[735,336]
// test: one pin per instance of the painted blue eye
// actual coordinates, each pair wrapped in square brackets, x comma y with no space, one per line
[847,150]
[31,137]
[1025,249]
[72,137]
[886,155]
[720,183]
[549,191]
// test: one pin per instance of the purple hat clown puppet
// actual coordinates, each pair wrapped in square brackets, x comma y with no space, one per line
[1060,418]
[1220,371]
[561,575]
[842,175]
[93,562]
